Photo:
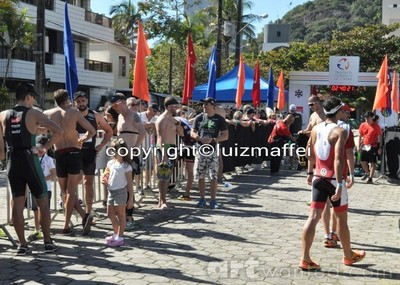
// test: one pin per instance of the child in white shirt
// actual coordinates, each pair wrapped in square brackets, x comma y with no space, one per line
[117,178]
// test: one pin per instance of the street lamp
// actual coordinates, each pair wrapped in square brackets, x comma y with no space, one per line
[239,29]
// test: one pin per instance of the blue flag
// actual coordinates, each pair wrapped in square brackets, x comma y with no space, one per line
[71,74]
[271,88]
[212,69]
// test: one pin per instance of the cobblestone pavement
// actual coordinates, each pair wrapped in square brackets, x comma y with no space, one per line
[253,239]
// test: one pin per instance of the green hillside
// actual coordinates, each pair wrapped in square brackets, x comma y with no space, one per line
[315,20]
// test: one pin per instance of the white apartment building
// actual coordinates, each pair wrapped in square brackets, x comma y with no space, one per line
[102,64]
[391,13]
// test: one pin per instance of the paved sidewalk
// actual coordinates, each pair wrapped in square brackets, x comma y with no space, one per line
[253,239]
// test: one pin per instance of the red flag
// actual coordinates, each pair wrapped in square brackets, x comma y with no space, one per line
[189,72]
[395,93]
[255,92]
[241,80]
[281,92]
[382,90]
[140,84]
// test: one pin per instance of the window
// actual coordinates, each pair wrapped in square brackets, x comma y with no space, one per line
[278,34]
[122,66]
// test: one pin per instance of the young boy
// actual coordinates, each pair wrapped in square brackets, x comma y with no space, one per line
[49,171]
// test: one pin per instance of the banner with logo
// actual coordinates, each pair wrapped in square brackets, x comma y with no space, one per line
[343,70]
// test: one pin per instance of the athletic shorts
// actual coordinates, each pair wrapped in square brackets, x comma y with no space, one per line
[23,169]
[370,155]
[322,189]
[117,197]
[187,153]
[34,206]
[164,172]
[88,160]
[206,165]
[68,161]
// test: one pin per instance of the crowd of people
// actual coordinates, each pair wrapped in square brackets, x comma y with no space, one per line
[82,138]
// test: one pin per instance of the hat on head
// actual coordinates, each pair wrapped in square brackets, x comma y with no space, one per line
[79,94]
[292,107]
[209,100]
[369,114]
[116,97]
[250,111]
[41,140]
[346,108]
[154,107]
[170,100]
[25,88]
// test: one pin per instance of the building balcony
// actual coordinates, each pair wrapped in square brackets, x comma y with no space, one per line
[98,19]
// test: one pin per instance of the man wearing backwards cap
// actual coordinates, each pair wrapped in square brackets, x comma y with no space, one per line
[208,128]
[296,126]
[131,130]
[89,148]
[19,126]
[326,147]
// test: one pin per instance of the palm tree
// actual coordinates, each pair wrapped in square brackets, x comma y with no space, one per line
[125,17]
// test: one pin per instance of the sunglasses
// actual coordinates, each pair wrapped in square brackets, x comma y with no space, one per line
[311,104]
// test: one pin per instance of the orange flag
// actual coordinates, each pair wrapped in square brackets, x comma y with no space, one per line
[281,92]
[381,96]
[140,84]
[395,93]
[189,72]
[241,80]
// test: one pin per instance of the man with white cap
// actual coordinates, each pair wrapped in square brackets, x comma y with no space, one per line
[298,120]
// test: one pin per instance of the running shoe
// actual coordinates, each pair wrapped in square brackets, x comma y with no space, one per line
[358,255]
[330,243]
[2,233]
[23,250]
[87,224]
[109,238]
[115,243]
[335,237]
[185,198]
[66,232]
[365,176]
[35,236]
[214,204]
[130,225]
[369,181]
[201,203]
[49,247]
[309,265]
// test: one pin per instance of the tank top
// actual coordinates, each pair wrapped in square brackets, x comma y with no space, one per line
[16,133]
[324,152]
[91,143]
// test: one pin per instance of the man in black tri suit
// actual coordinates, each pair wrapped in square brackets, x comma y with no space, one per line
[19,126]
[89,149]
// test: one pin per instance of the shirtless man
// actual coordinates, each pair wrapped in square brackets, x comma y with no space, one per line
[166,128]
[318,115]
[131,130]
[19,126]
[68,156]
[89,148]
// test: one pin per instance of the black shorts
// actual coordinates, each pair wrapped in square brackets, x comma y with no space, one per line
[33,202]
[187,153]
[370,155]
[68,161]
[322,189]
[24,169]
[88,156]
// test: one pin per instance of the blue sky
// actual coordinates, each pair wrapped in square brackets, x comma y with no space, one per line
[274,8]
